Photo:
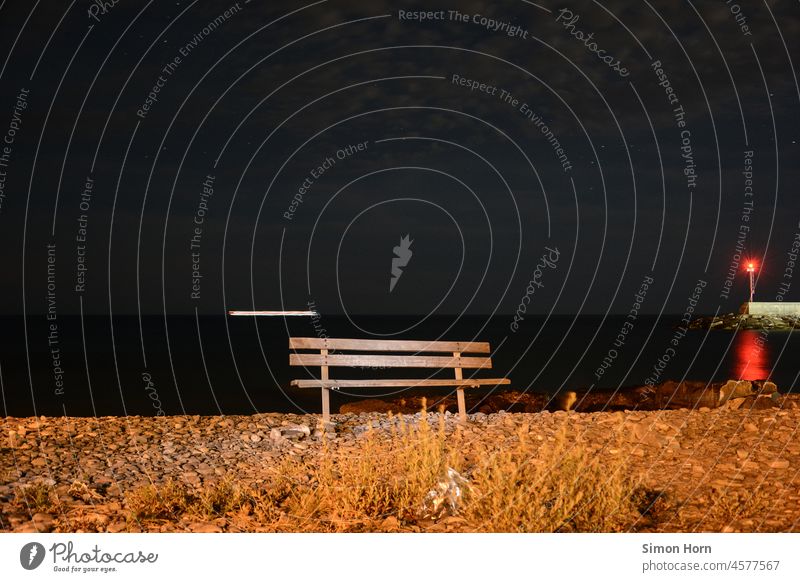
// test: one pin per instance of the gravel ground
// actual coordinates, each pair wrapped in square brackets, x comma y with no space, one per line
[693,457]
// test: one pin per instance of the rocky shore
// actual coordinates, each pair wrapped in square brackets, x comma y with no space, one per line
[707,470]
[733,394]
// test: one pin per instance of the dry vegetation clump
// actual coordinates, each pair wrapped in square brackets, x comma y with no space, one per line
[732,507]
[552,488]
[530,486]
[81,490]
[221,499]
[37,497]
[387,477]
[167,501]
[173,500]
[655,507]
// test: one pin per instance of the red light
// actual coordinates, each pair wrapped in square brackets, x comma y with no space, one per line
[751,267]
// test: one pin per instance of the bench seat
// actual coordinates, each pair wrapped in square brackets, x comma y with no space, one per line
[391,383]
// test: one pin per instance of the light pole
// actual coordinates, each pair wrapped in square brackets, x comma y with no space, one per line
[751,269]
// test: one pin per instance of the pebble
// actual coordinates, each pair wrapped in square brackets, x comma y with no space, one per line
[43,522]
[205,527]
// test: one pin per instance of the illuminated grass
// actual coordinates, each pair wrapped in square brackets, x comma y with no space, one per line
[528,486]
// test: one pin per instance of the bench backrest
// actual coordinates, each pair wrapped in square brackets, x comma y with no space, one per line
[411,357]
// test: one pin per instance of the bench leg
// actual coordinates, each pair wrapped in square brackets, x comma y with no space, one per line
[326,406]
[326,394]
[462,405]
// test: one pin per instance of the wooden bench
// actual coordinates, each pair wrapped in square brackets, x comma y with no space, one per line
[390,354]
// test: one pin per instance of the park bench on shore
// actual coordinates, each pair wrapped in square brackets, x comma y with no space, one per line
[328,352]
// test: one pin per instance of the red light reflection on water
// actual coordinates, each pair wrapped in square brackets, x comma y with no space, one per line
[751,353]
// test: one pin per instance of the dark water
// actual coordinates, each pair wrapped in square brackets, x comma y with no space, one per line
[240,365]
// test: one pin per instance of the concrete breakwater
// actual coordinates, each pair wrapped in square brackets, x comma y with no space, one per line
[737,321]
[771,308]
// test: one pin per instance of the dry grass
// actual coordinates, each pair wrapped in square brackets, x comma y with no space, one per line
[223,498]
[552,488]
[731,507]
[167,501]
[533,486]
[388,477]
[37,498]
[172,500]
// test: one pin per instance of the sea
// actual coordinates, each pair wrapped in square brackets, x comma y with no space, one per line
[207,365]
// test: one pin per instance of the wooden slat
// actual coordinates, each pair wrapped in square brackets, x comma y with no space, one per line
[408,382]
[272,313]
[369,345]
[370,361]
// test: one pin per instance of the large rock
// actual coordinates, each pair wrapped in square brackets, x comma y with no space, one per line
[732,394]
[291,431]
[733,389]
[757,395]
[765,387]
[759,402]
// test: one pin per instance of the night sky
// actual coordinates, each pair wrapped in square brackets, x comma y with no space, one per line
[182,157]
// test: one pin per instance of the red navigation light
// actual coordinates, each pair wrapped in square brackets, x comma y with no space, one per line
[751,271]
